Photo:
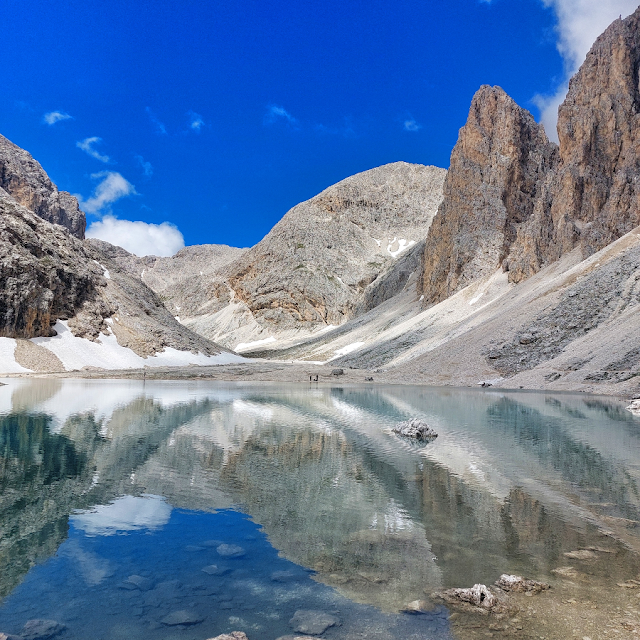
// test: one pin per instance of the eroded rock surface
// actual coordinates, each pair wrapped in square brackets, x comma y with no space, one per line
[24,180]
[516,201]
[316,263]
[496,173]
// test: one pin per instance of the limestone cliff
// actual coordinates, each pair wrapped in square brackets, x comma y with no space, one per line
[497,167]
[513,199]
[22,178]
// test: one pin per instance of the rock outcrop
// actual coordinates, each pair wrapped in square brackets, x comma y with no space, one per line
[48,274]
[22,178]
[497,169]
[516,201]
[45,273]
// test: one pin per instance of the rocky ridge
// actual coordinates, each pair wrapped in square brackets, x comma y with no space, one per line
[513,200]
[48,274]
[25,181]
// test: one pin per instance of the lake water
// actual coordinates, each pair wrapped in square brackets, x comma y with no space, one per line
[177,510]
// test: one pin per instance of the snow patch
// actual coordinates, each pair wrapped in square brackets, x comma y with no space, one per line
[377,241]
[8,362]
[329,327]
[76,353]
[243,346]
[106,271]
[476,298]
[403,245]
[348,349]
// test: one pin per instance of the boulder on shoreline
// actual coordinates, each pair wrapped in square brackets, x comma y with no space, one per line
[415,428]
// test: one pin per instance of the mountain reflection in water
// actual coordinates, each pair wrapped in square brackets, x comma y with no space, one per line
[514,481]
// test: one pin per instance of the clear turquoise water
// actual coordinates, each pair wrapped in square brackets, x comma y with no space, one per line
[102,480]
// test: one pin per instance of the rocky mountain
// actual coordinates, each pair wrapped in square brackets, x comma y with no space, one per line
[513,200]
[333,257]
[22,178]
[62,297]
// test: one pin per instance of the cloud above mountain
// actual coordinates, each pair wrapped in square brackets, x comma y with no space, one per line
[139,238]
[112,187]
[580,22]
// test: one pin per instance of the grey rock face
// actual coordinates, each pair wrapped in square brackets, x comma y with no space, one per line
[26,182]
[45,273]
[318,260]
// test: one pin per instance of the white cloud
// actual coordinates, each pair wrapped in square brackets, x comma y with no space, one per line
[580,22]
[55,116]
[159,126]
[411,125]
[195,121]
[147,167]
[112,187]
[275,113]
[139,238]
[87,146]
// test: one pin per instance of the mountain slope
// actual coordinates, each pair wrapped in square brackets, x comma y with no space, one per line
[65,303]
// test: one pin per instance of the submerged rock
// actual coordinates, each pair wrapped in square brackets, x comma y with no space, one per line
[634,407]
[312,622]
[415,428]
[137,582]
[419,606]
[234,635]
[41,629]
[518,584]
[182,617]
[230,551]
[215,570]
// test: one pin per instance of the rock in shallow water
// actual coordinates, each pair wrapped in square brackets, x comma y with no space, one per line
[312,622]
[230,551]
[182,617]
[234,635]
[415,428]
[41,629]
[518,584]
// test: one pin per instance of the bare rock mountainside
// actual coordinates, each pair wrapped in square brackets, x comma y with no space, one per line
[330,258]
[516,201]
[48,275]
[26,182]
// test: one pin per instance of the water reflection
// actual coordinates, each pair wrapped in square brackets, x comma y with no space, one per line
[514,481]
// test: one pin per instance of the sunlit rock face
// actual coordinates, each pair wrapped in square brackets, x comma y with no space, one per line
[513,200]
[496,173]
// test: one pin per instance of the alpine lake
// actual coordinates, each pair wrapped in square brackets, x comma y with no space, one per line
[184,510]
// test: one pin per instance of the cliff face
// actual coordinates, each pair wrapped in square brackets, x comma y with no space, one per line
[497,168]
[22,178]
[512,199]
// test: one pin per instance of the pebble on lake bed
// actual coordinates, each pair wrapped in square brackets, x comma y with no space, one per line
[415,428]
[230,551]
[312,622]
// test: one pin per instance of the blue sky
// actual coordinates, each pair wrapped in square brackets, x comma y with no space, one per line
[217,117]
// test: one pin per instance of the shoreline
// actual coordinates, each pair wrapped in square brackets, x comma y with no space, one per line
[299,373]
